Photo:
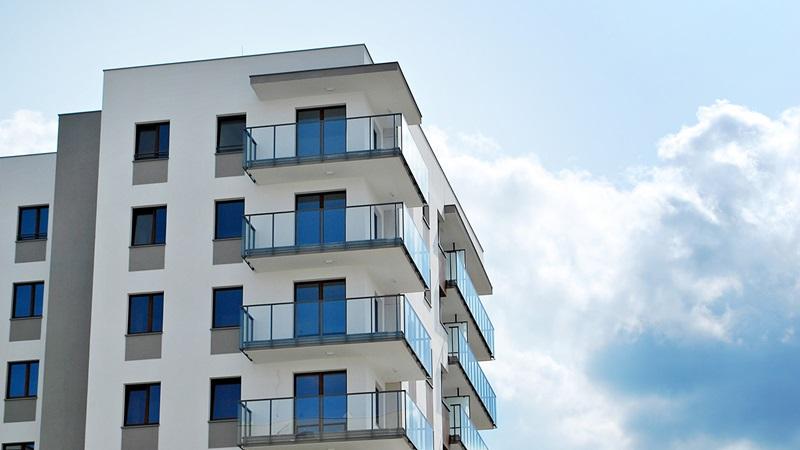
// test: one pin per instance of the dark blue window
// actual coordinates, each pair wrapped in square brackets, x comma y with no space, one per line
[320,218]
[321,131]
[152,141]
[228,222]
[225,397]
[142,404]
[230,133]
[32,223]
[23,379]
[227,307]
[149,226]
[320,403]
[145,313]
[320,308]
[28,299]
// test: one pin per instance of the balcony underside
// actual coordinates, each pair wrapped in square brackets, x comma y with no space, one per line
[356,440]
[455,309]
[388,354]
[387,261]
[456,384]
[385,171]
[454,234]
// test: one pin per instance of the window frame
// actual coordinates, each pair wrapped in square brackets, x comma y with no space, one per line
[147,388]
[217,203]
[38,234]
[230,148]
[19,446]
[150,308]
[28,364]
[32,308]
[153,210]
[212,398]
[214,291]
[156,154]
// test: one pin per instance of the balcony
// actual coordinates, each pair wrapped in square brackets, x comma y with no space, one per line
[455,232]
[463,304]
[379,149]
[465,377]
[386,331]
[463,434]
[382,238]
[387,420]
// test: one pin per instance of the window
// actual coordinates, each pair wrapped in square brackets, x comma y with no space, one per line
[20,446]
[320,218]
[320,308]
[145,313]
[32,223]
[230,134]
[28,299]
[23,379]
[228,221]
[227,307]
[152,141]
[225,397]
[321,131]
[149,226]
[142,402]
[313,415]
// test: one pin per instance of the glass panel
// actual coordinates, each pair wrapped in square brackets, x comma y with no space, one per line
[457,272]
[38,301]
[146,140]
[158,312]
[136,404]
[307,309]
[308,227]
[334,308]
[308,133]
[457,346]
[161,225]
[335,130]
[44,212]
[227,304]
[334,413]
[142,227]
[163,139]
[139,310]
[231,130]
[226,399]
[229,219]
[155,403]
[17,378]
[27,223]
[417,247]
[22,300]
[33,383]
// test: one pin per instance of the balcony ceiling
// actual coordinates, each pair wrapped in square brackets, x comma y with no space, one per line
[455,235]
[383,83]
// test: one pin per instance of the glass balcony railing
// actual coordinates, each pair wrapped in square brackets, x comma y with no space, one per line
[332,139]
[366,319]
[457,276]
[366,226]
[462,427]
[371,415]
[457,347]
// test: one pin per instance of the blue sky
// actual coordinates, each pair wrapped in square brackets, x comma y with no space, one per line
[631,168]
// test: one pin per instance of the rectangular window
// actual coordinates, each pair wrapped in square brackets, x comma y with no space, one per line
[32,223]
[320,308]
[142,404]
[149,226]
[227,307]
[19,446]
[226,394]
[320,218]
[28,300]
[145,313]
[320,403]
[321,131]
[23,379]
[152,141]
[228,219]
[230,134]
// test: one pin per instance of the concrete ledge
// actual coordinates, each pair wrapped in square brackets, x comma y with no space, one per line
[144,437]
[227,251]
[223,433]
[224,340]
[146,257]
[142,346]
[25,329]
[149,171]
[31,251]
[20,410]
[228,164]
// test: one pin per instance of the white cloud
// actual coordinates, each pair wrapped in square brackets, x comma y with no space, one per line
[27,132]
[704,245]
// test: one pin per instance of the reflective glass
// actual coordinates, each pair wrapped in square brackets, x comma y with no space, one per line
[227,307]
[229,219]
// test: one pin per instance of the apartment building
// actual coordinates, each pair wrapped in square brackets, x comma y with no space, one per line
[250,252]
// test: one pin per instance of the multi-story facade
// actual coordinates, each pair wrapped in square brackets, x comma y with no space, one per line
[251,252]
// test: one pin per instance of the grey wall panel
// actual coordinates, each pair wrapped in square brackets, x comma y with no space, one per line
[228,165]
[148,257]
[224,340]
[142,346]
[31,251]
[140,438]
[20,410]
[227,251]
[223,433]
[69,304]
[152,171]
[29,329]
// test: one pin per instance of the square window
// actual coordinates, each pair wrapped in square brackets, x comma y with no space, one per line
[230,134]
[23,379]
[142,404]
[228,219]
[227,307]
[152,141]
[32,223]
[28,299]
[149,226]
[145,313]
[226,394]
